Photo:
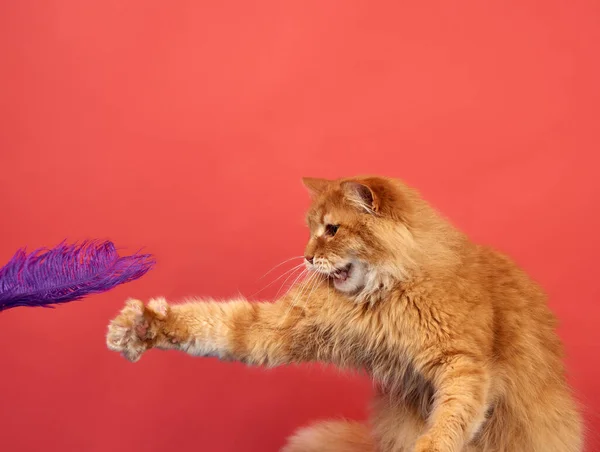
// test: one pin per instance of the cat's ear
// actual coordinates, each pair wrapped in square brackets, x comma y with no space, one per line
[314,185]
[361,195]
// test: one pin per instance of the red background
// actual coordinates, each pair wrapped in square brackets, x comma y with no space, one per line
[185,127]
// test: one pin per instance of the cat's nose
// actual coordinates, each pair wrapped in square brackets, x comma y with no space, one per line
[309,259]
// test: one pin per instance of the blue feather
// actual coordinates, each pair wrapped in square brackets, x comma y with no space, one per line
[67,272]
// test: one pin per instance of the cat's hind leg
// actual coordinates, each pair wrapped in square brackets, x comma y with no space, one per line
[331,436]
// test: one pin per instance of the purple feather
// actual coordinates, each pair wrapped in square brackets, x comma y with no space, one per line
[66,273]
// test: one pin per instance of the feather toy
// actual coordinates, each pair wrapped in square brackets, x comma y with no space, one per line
[66,273]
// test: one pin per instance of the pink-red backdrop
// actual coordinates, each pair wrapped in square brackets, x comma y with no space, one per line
[185,127]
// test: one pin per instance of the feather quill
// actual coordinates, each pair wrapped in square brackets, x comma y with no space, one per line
[67,272]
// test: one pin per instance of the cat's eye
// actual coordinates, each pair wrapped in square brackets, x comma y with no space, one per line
[331,229]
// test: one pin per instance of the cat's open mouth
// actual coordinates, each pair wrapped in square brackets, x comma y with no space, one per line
[341,274]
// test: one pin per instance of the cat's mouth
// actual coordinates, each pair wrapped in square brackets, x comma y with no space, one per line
[348,278]
[340,275]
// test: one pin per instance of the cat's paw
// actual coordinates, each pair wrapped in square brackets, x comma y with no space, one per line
[133,331]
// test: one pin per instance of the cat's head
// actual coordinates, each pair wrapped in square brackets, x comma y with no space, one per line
[368,233]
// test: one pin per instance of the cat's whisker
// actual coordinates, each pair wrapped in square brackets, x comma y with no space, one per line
[305,285]
[303,273]
[279,265]
[298,296]
[315,282]
[291,270]
[286,280]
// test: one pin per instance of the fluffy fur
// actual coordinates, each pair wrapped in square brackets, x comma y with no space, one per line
[459,340]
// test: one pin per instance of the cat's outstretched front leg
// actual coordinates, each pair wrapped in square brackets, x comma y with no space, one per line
[255,333]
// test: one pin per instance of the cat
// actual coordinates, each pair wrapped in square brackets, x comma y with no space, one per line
[458,340]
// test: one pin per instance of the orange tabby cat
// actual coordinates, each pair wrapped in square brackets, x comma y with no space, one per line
[458,339]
